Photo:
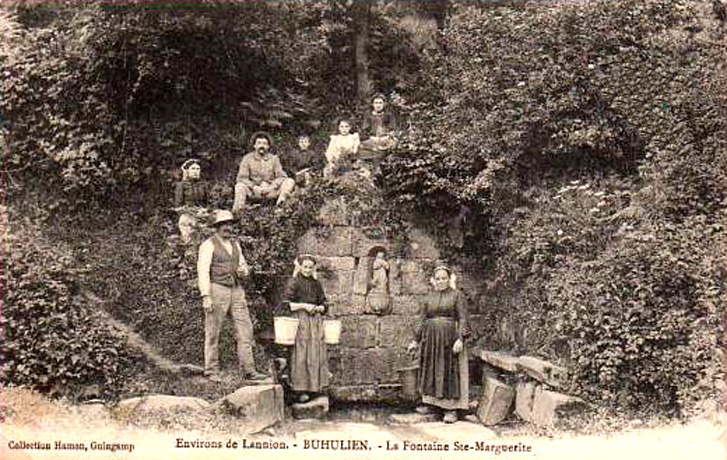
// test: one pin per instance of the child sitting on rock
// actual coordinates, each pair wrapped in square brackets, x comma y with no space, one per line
[302,162]
[341,150]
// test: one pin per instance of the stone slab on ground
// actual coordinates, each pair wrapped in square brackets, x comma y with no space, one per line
[152,403]
[524,399]
[413,418]
[499,359]
[543,371]
[551,408]
[315,408]
[496,401]
[259,406]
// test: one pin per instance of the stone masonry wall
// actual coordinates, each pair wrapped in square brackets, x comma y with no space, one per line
[372,347]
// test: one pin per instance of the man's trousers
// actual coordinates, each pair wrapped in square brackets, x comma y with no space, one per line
[226,299]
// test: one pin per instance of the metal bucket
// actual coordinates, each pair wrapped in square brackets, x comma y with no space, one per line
[285,330]
[332,331]
[408,378]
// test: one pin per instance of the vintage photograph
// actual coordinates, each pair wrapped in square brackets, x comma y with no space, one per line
[353,229]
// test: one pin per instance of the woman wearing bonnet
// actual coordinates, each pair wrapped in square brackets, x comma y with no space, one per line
[442,330]
[309,358]
[191,198]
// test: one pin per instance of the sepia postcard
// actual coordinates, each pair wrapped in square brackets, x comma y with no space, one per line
[363,229]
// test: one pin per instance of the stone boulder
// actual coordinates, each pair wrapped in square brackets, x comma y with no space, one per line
[524,399]
[551,408]
[258,406]
[535,404]
[496,401]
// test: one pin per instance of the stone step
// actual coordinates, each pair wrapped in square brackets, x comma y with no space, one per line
[552,408]
[316,408]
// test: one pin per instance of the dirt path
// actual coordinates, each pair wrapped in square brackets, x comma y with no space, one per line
[31,418]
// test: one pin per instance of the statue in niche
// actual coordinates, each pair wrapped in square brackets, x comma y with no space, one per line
[377,296]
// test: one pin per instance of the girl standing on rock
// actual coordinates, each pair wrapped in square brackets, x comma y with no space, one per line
[309,358]
[443,327]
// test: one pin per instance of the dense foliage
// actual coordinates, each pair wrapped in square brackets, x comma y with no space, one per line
[53,340]
[106,101]
[596,150]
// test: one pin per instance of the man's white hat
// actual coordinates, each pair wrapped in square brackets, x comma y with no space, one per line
[223,216]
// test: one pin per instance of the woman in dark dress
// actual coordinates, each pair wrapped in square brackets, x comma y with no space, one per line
[380,128]
[191,199]
[443,328]
[309,358]
[379,125]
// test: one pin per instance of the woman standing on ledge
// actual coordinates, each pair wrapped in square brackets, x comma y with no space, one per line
[442,330]
[308,358]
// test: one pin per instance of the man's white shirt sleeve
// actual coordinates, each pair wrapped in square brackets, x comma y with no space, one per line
[204,262]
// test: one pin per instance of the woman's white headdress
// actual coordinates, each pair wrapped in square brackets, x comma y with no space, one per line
[186,165]
[299,260]
[452,276]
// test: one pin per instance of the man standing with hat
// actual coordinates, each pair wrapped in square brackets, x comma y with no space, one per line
[220,269]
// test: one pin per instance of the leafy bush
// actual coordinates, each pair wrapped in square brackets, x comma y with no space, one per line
[101,102]
[593,153]
[53,341]
[643,320]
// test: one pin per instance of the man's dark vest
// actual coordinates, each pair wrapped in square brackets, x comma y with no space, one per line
[224,266]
